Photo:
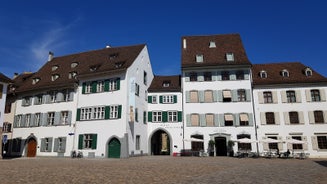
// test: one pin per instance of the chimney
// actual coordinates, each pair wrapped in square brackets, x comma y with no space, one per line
[15,75]
[184,43]
[50,56]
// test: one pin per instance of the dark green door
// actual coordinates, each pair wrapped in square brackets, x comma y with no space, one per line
[114,148]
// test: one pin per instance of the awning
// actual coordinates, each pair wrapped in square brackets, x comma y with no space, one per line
[244,117]
[227,94]
[229,117]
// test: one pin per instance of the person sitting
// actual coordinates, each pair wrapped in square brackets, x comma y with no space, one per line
[288,153]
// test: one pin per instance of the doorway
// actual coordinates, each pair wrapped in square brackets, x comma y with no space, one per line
[114,148]
[31,148]
[221,146]
[160,143]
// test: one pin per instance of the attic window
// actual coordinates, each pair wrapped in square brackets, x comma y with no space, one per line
[36,80]
[94,68]
[308,72]
[263,74]
[72,75]
[230,56]
[199,58]
[113,56]
[73,65]
[285,73]
[119,64]
[166,84]
[54,68]
[212,44]
[54,77]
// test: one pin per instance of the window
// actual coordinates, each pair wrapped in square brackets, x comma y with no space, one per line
[315,95]
[54,77]
[230,56]
[94,68]
[227,96]
[19,120]
[6,127]
[270,118]
[208,96]
[273,145]
[157,116]
[212,44]
[207,76]
[35,80]
[244,120]
[74,64]
[114,112]
[322,142]
[225,75]
[193,76]
[166,84]
[86,113]
[168,99]
[240,75]
[294,117]
[263,74]
[100,86]
[113,84]
[228,119]
[64,118]
[136,114]
[38,100]
[53,96]
[244,146]
[50,119]
[88,87]
[46,144]
[37,119]
[297,146]
[145,78]
[60,145]
[113,56]
[154,99]
[199,58]
[72,75]
[209,120]
[195,121]
[194,97]
[285,73]
[144,117]
[267,96]
[27,120]
[319,116]
[54,68]
[26,101]
[308,72]
[137,142]
[68,95]
[241,95]
[87,141]
[137,89]
[172,116]
[291,98]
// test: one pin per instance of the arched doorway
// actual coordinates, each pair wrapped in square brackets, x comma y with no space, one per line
[221,146]
[160,143]
[114,148]
[31,147]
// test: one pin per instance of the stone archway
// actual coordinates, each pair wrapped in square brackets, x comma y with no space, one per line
[31,147]
[160,143]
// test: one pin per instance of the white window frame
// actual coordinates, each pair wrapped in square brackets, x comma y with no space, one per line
[88,87]
[87,141]
[168,99]
[64,117]
[50,118]
[157,116]
[172,116]
[114,112]
[230,56]
[100,86]
[37,119]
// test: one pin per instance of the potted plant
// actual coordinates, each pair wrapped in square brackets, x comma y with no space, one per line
[230,149]
[211,147]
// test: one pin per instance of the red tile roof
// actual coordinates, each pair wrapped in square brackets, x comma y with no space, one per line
[106,61]
[226,43]
[158,81]
[296,72]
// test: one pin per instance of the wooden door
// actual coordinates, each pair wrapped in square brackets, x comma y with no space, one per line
[31,148]
[114,148]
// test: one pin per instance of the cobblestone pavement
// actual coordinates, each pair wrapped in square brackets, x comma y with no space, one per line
[163,169]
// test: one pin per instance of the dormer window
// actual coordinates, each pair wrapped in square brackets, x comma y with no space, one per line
[74,64]
[308,72]
[54,77]
[72,75]
[285,73]
[263,74]
[119,64]
[230,56]
[36,80]
[212,44]
[94,68]
[54,68]
[166,84]
[113,56]
[199,58]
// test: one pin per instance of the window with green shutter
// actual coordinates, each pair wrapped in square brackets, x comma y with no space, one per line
[107,112]
[83,87]
[149,99]
[164,116]
[78,114]
[144,117]
[175,98]
[149,116]
[80,141]
[180,116]
[119,111]
[94,141]
[94,86]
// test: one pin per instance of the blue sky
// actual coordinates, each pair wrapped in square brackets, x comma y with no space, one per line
[271,31]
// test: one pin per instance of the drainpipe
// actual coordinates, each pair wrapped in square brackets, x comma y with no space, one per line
[254,114]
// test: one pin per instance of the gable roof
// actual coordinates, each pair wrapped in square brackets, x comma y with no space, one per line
[296,72]
[214,56]
[158,81]
[90,63]
[4,78]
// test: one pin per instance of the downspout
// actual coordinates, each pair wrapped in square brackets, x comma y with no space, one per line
[254,114]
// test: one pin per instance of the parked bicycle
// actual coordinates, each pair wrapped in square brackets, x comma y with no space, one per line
[78,154]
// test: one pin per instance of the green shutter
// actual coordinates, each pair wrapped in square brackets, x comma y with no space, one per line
[80,141]
[107,112]
[94,86]
[106,85]
[149,116]
[175,98]
[119,111]
[248,95]
[164,116]
[118,83]
[160,99]
[179,116]
[83,87]
[94,141]
[78,114]
[149,99]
